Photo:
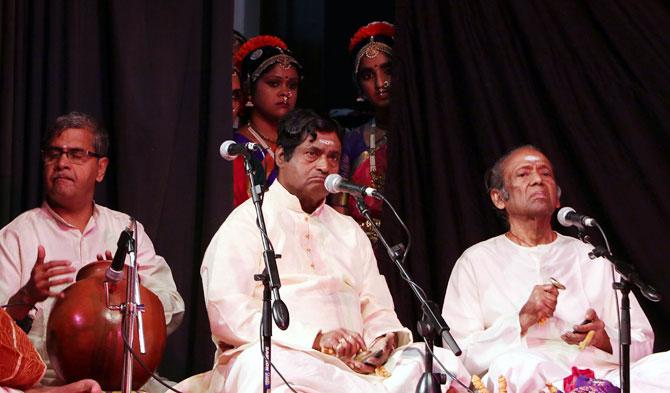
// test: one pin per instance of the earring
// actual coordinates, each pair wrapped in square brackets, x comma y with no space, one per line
[249,104]
[360,99]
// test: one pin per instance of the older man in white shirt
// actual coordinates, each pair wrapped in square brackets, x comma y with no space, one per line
[508,314]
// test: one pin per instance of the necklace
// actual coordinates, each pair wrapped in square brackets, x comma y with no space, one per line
[373,147]
[517,239]
[263,140]
[520,241]
[377,178]
[259,135]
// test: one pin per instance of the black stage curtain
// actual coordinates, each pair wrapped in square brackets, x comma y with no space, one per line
[157,75]
[586,81]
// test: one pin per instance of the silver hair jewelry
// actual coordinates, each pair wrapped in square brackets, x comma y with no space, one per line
[285,61]
[371,50]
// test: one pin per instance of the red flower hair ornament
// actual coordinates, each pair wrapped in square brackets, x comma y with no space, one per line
[370,40]
[259,53]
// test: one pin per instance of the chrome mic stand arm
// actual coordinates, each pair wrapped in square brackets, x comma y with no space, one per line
[132,309]
[431,324]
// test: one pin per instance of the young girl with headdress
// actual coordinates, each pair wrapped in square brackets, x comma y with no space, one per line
[364,148]
[270,76]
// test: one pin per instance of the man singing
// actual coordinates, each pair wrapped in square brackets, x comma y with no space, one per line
[340,306]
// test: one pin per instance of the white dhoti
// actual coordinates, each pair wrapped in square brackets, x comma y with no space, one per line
[330,281]
[490,284]
[309,373]
[530,371]
[650,374]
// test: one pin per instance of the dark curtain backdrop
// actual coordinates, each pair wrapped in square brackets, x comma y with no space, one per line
[318,32]
[586,81]
[157,75]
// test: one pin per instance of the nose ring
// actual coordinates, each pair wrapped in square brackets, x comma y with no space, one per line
[386,84]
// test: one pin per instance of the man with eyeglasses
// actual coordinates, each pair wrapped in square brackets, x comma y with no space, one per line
[41,250]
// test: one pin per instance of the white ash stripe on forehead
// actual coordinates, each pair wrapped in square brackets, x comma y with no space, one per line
[532,158]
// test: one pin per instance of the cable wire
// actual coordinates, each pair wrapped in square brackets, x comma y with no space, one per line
[449,373]
[616,298]
[260,334]
[141,363]
[403,274]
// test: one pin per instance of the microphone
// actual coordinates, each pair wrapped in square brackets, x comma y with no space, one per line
[229,150]
[568,217]
[335,183]
[115,271]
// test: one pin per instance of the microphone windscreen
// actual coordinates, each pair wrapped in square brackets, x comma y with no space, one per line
[562,216]
[223,150]
[332,183]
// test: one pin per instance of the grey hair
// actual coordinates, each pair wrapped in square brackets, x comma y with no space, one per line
[81,121]
[494,178]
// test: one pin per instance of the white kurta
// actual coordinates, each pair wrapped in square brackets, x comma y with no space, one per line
[42,226]
[329,280]
[492,281]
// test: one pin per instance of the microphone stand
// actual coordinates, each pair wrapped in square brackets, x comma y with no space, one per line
[629,277]
[269,278]
[132,309]
[431,325]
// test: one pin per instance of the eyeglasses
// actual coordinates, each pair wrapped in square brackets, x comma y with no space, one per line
[75,155]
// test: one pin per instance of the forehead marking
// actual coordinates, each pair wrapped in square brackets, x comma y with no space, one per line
[325,141]
[532,158]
